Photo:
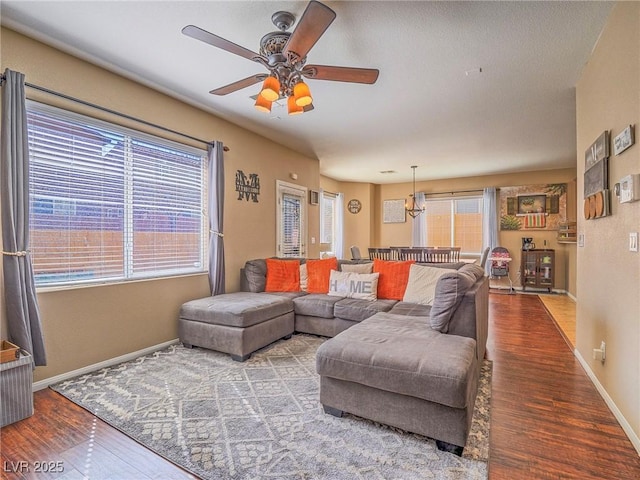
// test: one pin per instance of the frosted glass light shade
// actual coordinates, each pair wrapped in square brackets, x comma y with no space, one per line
[302,94]
[292,107]
[262,104]
[270,89]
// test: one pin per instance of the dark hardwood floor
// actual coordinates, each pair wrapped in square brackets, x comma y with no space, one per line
[547,419]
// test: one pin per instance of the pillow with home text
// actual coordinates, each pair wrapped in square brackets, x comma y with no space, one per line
[363,286]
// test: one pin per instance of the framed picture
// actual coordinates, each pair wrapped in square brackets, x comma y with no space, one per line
[598,150]
[314,197]
[596,178]
[623,140]
[528,204]
[393,211]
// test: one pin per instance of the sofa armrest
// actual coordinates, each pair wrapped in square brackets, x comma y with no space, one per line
[471,318]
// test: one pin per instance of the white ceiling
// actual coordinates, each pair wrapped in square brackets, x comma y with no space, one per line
[517,115]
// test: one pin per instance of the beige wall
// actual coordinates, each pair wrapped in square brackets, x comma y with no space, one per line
[608,274]
[88,325]
[400,233]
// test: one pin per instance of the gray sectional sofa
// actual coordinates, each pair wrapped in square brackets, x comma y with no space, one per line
[463,312]
[404,364]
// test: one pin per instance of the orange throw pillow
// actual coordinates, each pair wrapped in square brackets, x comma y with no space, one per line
[319,272]
[393,278]
[282,275]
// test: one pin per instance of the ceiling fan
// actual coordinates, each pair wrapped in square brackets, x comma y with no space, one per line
[284,54]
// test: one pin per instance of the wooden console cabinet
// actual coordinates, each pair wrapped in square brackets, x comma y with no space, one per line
[537,269]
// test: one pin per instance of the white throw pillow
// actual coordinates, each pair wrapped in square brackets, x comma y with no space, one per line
[421,286]
[304,277]
[353,285]
[357,267]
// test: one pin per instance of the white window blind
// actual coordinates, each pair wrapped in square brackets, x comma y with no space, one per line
[109,203]
[291,220]
[327,217]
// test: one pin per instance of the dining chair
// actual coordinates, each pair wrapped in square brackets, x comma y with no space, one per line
[416,254]
[381,253]
[485,255]
[438,255]
[355,253]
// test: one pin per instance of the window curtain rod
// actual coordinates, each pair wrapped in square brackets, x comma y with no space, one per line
[476,190]
[113,112]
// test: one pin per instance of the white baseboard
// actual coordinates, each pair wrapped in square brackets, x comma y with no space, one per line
[41,384]
[635,440]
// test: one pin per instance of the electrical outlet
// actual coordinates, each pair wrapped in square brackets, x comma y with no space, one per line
[633,242]
[600,353]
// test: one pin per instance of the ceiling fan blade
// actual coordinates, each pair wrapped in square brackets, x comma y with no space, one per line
[239,85]
[207,37]
[314,22]
[341,74]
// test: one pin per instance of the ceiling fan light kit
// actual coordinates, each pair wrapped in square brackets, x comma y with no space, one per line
[284,55]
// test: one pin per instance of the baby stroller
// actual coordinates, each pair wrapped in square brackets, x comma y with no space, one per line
[500,258]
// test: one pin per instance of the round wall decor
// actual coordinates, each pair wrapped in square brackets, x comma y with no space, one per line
[354,206]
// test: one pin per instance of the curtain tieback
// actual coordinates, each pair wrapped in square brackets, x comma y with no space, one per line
[22,253]
[219,234]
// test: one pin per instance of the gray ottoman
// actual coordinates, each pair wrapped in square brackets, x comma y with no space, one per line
[236,323]
[396,370]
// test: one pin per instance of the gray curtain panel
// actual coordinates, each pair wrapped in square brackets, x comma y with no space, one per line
[23,316]
[490,234]
[216,216]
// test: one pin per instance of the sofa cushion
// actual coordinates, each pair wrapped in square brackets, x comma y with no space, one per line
[357,267]
[290,295]
[393,278]
[449,265]
[413,309]
[255,273]
[315,305]
[357,310]
[304,277]
[318,271]
[401,354]
[240,309]
[450,290]
[353,285]
[421,286]
[282,275]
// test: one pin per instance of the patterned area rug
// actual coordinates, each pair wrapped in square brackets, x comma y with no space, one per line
[261,419]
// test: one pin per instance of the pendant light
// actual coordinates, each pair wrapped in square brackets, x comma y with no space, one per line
[412,208]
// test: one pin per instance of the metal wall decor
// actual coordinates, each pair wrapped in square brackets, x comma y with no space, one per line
[247,187]
[354,206]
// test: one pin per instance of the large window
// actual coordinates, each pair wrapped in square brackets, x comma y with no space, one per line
[291,215]
[328,227]
[455,223]
[108,203]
